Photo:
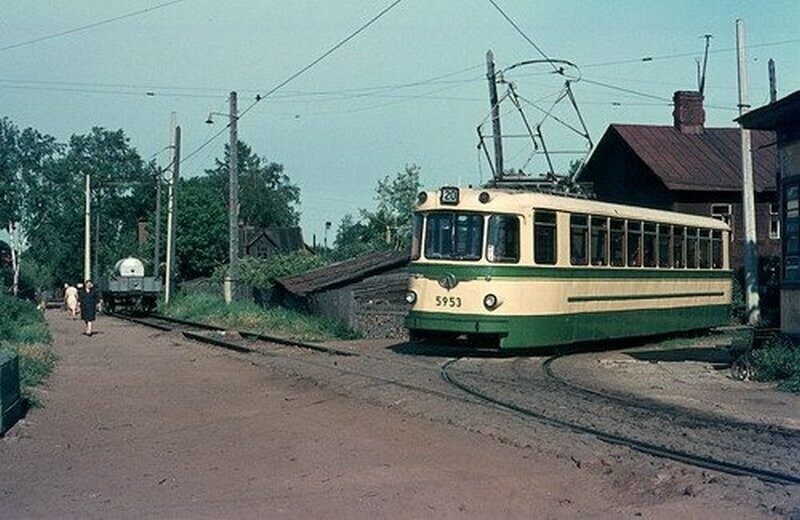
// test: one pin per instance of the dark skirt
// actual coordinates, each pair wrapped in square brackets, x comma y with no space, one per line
[88,305]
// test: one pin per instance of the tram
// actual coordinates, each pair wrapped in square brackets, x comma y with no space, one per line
[523,269]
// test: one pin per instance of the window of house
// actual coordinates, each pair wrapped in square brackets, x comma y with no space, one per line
[664,245]
[634,243]
[649,241]
[791,236]
[502,243]
[599,244]
[774,221]
[617,242]
[723,212]
[544,237]
[578,239]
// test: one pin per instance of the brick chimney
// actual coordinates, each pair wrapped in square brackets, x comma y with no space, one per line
[689,115]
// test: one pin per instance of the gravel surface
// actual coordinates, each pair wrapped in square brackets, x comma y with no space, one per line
[139,423]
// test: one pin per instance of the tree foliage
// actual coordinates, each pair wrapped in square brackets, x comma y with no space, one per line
[389,225]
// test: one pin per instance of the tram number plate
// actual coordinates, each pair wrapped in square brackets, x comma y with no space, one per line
[448,301]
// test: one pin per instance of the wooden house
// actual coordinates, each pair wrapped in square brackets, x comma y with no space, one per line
[689,168]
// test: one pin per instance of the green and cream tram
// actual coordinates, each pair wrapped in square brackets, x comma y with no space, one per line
[530,269]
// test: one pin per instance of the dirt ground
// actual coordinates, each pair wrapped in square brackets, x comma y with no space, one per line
[137,423]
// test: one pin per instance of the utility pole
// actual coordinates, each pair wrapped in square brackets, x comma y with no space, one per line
[157,228]
[229,288]
[175,163]
[87,234]
[497,135]
[748,194]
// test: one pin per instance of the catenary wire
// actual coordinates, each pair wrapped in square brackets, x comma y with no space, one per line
[294,76]
[89,26]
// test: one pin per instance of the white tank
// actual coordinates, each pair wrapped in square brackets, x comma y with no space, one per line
[129,267]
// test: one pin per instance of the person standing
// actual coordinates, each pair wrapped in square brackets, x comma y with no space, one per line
[71,299]
[88,297]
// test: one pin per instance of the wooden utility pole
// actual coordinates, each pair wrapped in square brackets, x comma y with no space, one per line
[229,288]
[172,205]
[87,234]
[748,193]
[157,228]
[496,133]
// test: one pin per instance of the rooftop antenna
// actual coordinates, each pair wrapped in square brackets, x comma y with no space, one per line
[701,76]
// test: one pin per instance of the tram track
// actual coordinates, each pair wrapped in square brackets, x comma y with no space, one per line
[588,412]
[511,392]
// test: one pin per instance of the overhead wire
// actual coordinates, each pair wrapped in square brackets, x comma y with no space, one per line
[295,75]
[89,26]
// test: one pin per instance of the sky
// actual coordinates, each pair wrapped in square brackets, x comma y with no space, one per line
[409,88]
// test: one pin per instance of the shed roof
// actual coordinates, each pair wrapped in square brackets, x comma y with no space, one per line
[707,161]
[340,273]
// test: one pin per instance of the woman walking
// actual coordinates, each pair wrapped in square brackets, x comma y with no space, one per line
[88,297]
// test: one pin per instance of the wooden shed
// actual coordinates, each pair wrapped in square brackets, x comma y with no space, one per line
[367,293]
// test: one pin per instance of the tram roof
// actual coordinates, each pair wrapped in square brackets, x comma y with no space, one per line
[521,202]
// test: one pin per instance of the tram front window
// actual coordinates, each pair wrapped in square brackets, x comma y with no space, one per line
[453,236]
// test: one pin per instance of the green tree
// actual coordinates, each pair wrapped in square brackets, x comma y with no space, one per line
[122,190]
[389,226]
[201,238]
[267,198]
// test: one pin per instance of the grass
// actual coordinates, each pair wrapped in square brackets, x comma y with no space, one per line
[778,361]
[248,316]
[23,331]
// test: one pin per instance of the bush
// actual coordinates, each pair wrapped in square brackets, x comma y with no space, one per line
[778,361]
[261,274]
[24,332]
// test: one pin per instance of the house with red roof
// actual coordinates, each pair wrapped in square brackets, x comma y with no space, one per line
[689,168]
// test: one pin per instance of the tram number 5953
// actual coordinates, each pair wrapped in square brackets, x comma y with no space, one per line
[448,301]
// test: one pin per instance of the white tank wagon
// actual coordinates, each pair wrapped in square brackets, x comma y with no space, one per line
[129,288]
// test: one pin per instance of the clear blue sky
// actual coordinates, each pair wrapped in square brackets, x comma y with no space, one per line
[353,118]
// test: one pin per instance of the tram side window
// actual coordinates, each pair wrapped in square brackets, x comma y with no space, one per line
[716,249]
[691,248]
[502,245]
[704,249]
[664,245]
[578,239]
[649,244]
[617,243]
[634,243]
[544,237]
[416,236]
[599,244]
[679,246]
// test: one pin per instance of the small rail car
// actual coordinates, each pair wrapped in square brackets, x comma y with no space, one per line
[524,269]
[128,288]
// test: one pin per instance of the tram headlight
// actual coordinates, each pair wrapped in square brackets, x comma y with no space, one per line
[411,297]
[484,197]
[490,301]
[422,198]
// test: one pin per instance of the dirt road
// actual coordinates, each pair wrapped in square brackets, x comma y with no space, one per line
[143,424]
